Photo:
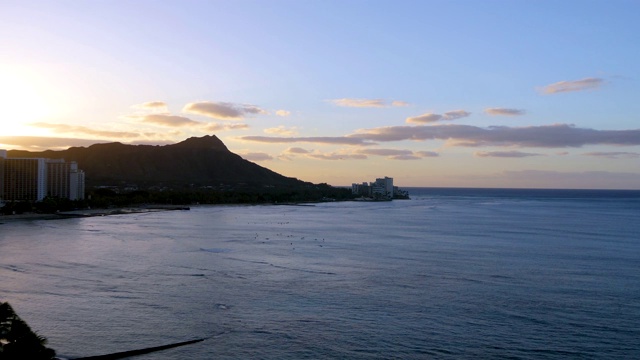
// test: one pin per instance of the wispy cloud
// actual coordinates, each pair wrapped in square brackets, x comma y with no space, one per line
[398,154]
[225,127]
[296,150]
[425,154]
[222,110]
[169,120]
[574,85]
[424,118]
[153,105]
[283,113]
[455,114]
[547,136]
[505,154]
[38,143]
[71,129]
[282,130]
[336,156]
[504,111]
[360,154]
[399,103]
[256,156]
[359,102]
[432,118]
[367,103]
[344,154]
[338,140]
[384,152]
[614,155]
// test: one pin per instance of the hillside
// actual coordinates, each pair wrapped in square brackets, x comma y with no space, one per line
[195,162]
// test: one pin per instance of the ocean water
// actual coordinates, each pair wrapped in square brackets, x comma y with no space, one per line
[449,274]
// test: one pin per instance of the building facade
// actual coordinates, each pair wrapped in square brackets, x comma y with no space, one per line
[24,179]
[382,188]
[32,179]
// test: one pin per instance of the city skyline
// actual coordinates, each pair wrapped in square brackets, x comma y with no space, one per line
[431,93]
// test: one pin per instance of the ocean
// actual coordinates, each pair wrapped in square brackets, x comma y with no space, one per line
[449,274]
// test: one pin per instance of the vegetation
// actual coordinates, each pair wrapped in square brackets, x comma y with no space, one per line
[103,198]
[18,341]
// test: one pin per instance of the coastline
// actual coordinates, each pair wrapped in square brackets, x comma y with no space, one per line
[88,213]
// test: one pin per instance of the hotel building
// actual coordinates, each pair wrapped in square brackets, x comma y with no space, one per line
[381,188]
[32,179]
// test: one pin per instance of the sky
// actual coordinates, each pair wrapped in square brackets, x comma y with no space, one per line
[456,93]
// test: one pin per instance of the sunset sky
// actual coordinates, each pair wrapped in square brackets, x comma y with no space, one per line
[432,93]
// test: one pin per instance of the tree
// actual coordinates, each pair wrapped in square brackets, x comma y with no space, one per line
[18,341]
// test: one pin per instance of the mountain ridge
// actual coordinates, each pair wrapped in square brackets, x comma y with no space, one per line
[197,161]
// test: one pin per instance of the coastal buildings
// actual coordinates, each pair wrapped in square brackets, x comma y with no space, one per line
[381,189]
[33,179]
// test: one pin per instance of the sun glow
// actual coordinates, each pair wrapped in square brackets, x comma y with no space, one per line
[24,98]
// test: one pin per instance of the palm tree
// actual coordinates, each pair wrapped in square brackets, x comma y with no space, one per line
[18,341]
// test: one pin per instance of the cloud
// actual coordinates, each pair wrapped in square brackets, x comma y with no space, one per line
[256,156]
[339,140]
[455,114]
[397,154]
[432,118]
[152,105]
[385,152]
[71,129]
[359,102]
[225,127]
[614,155]
[575,85]
[290,153]
[404,157]
[169,120]
[281,130]
[546,136]
[283,113]
[38,143]
[336,156]
[425,154]
[367,103]
[505,154]
[399,103]
[504,112]
[222,110]
[296,150]
[424,118]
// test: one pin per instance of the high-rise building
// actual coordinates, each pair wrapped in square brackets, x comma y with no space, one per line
[3,155]
[32,179]
[58,178]
[381,188]
[24,179]
[76,182]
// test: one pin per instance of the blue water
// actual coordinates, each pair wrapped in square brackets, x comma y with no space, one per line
[452,273]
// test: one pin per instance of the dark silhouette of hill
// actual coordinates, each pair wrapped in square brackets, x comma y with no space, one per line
[195,162]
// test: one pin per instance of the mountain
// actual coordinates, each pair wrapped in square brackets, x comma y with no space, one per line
[203,161]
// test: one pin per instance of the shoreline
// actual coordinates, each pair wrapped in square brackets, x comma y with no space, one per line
[89,213]
[154,208]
